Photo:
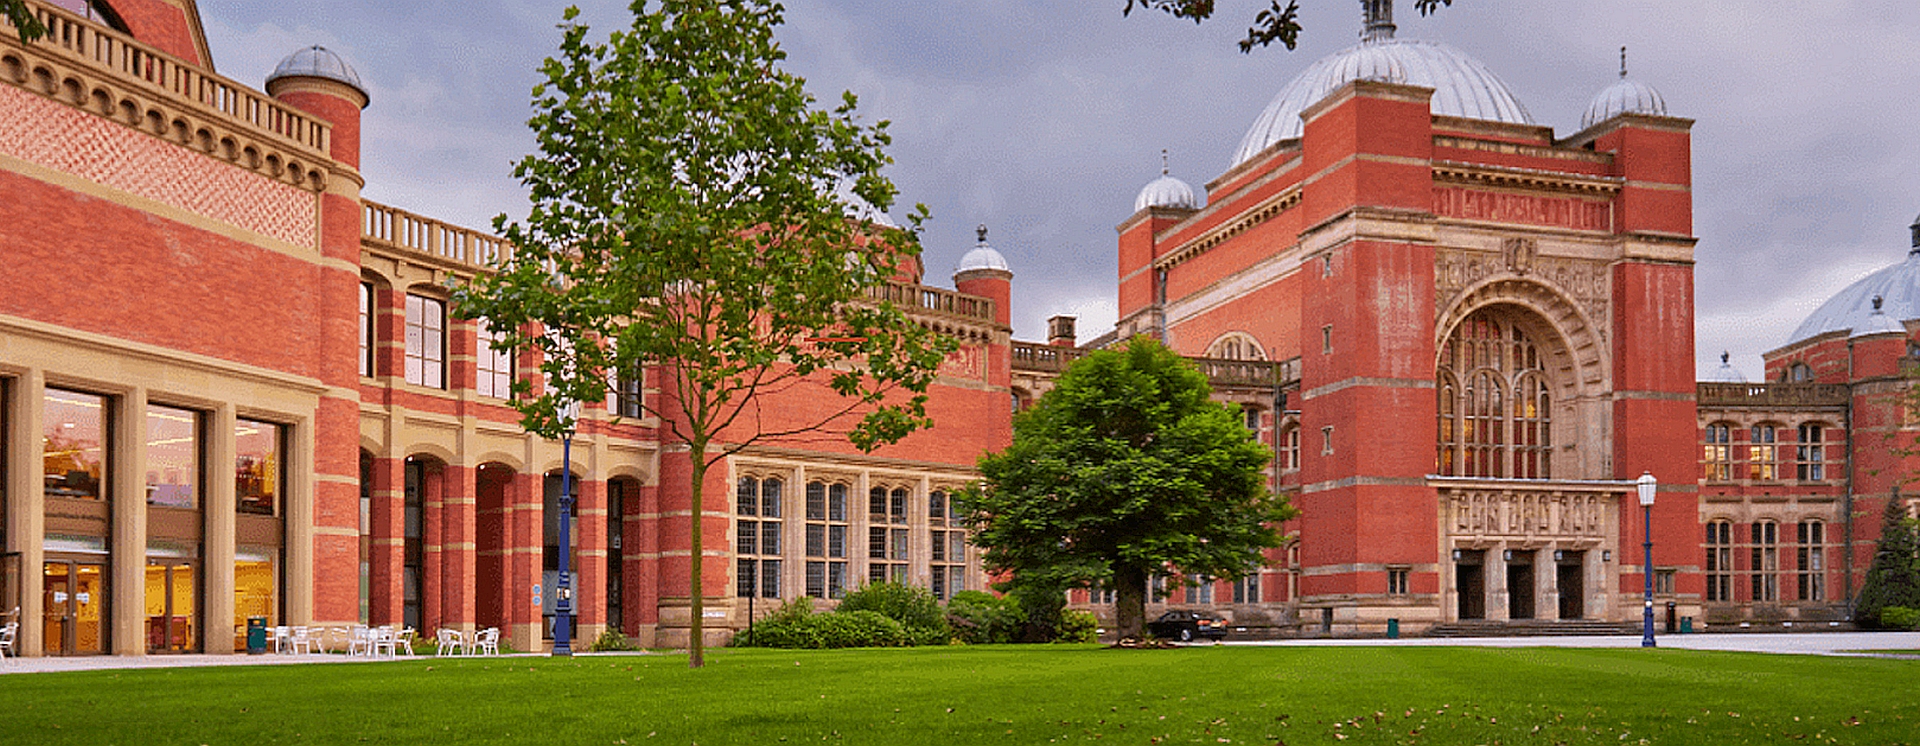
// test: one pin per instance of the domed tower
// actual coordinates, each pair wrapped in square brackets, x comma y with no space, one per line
[984,272]
[1163,202]
[320,83]
[1625,96]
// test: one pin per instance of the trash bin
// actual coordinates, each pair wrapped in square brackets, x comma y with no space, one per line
[1393,629]
[1686,625]
[256,635]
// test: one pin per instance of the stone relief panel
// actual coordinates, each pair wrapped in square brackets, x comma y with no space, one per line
[1528,516]
[1585,281]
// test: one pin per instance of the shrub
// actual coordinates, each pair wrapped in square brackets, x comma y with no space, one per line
[914,608]
[611,639]
[1078,626]
[980,618]
[789,626]
[1900,617]
[857,629]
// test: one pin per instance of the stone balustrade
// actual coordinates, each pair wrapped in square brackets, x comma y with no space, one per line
[1771,394]
[396,229]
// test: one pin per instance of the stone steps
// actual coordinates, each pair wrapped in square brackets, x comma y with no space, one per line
[1533,628]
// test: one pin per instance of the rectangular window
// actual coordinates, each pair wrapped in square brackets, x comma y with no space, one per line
[1720,561]
[1326,340]
[817,579]
[757,543]
[1397,581]
[1718,455]
[426,342]
[1811,561]
[1199,589]
[1290,450]
[1663,581]
[1247,590]
[1810,454]
[366,329]
[74,440]
[1765,561]
[1762,454]
[259,473]
[493,367]
[1252,418]
[1326,441]
[173,457]
[627,389]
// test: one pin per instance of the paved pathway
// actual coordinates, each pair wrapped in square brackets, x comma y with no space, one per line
[1798,643]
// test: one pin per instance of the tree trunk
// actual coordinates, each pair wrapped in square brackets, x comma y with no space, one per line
[1129,601]
[696,635]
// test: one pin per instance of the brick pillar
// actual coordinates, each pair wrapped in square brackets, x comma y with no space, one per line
[457,546]
[385,555]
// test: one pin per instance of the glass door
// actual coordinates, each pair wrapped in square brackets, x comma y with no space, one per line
[75,604]
[171,613]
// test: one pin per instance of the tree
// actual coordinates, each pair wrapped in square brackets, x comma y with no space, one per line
[1894,578]
[1125,469]
[1276,23]
[23,20]
[691,212]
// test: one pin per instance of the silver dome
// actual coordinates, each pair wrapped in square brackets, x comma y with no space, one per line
[1625,96]
[1166,191]
[859,209]
[1462,87]
[983,257]
[317,62]
[1726,373]
[1852,309]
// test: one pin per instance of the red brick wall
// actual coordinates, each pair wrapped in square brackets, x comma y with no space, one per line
[160,24]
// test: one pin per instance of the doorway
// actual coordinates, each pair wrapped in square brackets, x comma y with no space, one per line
[1470,583]
[74,603]
[171,606]
[1571,577]
[1520,585]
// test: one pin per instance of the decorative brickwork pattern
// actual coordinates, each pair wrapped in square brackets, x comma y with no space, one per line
[74,142]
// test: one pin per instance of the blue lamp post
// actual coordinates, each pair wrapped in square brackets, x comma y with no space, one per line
[1647,485]
[563,592]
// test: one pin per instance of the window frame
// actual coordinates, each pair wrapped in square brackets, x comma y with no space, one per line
[426,341]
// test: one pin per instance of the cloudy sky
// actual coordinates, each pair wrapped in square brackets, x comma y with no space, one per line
[1043,118]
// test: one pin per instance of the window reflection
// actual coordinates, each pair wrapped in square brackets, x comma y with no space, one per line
[74,440]
[173,457]
[257,467]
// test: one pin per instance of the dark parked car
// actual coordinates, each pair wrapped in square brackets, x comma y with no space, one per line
[1185,626]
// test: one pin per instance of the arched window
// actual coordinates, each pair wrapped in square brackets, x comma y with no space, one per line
[1495,402]
[1718,454]
[1799,373]
[1236,346]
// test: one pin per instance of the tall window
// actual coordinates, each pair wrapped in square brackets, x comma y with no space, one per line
[258,469]
[173,457]
[74,442]
[493,367]
[1495,403]
[366,329]
[1719,452]
[1199,589]
[1811,560]
[1762,454]
[948,544]
[757,537]
[413,550]
[627,388]
[426,341]
[1719,561]
[826,540]
[887,535]
[1290,449]
[1766,561]
[1810,454]
[1397,580]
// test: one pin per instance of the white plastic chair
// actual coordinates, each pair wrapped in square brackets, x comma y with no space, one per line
[361,641]
[402,639]
[282,639]
[7,633]
[487,641]
[446,639]
[301,640]
[383,640]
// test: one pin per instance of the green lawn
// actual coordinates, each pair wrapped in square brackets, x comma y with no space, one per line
[998,695]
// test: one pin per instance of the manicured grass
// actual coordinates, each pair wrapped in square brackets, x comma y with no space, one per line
[996,695]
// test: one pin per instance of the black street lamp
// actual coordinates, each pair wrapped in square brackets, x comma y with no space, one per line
[1647,485]
[563,591]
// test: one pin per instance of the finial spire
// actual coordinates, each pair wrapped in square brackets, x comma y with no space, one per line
[982,233]
[1379,19]
[1623,62]
[1164,168]
[1725,358]
[1877,300]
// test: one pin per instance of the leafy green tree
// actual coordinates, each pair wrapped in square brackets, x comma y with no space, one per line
[689,215]
[1124,469]
[1276,23]
[22,19]
[1893,581]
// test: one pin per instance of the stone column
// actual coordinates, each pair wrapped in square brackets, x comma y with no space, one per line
[127,540]
[217,541]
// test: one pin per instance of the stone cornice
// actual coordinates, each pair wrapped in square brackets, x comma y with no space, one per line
[1475,174]
[1241,223]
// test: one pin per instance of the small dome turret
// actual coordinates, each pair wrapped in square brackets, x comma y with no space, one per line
[1625,96]
[317,62]
[1166,191]
[983,257]
[1726,373]
[1878,322]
